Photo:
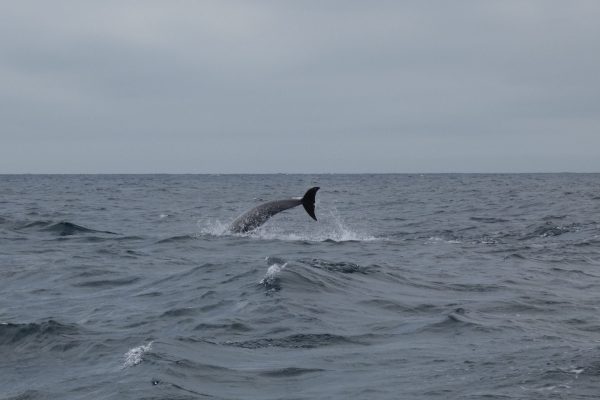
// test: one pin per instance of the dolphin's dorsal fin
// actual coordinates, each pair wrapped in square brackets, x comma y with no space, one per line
[308,202]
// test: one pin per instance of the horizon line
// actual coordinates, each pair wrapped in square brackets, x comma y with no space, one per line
[301,173]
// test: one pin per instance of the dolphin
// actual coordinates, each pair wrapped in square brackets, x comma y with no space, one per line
[254,218]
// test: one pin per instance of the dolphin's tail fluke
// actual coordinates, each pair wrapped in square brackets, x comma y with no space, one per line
[308,202]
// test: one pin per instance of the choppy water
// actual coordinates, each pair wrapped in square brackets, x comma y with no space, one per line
[409,286]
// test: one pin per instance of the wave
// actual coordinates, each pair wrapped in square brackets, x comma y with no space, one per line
[234,326]
[33,224]
[69,228]
[471,287]
[488,220]
[458,321]
[29,395]
[297,341]
[290,372]
[343,267]
[549,229]
[309,274]
[108,282]
[400,307]
[62,228]
[177,239]
[60,336]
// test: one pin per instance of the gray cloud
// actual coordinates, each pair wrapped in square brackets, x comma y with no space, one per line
[269,86]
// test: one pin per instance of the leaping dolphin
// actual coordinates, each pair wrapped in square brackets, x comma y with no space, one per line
[259,215]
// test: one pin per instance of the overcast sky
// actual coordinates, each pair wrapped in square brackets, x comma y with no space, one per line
[299,86]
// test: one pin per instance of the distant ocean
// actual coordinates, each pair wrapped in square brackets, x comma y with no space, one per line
[450,286]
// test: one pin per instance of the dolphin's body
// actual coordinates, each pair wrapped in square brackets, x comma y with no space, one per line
[260,214]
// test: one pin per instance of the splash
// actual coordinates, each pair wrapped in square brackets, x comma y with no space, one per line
[330,227]
[213,228]
[338,233]
[134,356]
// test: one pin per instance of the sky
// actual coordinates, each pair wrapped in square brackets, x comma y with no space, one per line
[299,86]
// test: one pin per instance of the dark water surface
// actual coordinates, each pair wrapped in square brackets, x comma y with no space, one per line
[408,287]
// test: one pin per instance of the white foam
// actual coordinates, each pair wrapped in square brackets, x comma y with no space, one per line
[327,229]
[436,239]
[576,371]
[336,234]
[135,355]
[272,272]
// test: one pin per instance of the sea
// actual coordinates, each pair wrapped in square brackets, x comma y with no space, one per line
[409,286]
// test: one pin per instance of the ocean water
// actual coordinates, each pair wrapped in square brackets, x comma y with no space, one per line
[408,287]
